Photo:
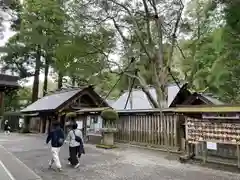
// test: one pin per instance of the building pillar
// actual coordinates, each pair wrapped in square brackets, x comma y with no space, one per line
[1,108]
[59,118]
[44,124]
[47,125]
[41,125]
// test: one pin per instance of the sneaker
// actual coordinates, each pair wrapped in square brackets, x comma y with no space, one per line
[76,166]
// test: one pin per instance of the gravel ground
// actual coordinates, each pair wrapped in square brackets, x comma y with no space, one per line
[118,164]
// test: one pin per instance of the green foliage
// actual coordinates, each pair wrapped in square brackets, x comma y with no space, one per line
[231,11]
[17,99]
[212,58]
[79,39]
[109,115]
[84,55]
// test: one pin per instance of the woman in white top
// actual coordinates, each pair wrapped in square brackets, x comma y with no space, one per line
[74,146]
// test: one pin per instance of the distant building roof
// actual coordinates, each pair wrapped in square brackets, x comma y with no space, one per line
[51,102]
[139,100]
[110,102]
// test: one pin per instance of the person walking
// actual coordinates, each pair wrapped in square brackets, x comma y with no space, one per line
[75,145]
[6,127]
[56,136]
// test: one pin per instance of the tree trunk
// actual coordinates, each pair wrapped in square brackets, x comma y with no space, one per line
[158,61]
[145,89]
[60,80]
[46,71]
[160,82]
[36,75]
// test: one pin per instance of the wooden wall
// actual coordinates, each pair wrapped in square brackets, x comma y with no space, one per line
[149,129]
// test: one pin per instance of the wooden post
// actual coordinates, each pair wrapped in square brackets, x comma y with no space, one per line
[59,117]
[129,129]
[196,149]
[2,102]
[85,126]
[41,125]
[47,125]
[176,131]
[204,148]
[188,148]
[2,105]
[238,155]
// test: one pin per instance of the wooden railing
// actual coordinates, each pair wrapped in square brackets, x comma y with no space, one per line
[149,129]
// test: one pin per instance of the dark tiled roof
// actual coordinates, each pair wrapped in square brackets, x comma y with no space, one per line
[52,101]
[205,98]
[8,83]
[7,80]
[97,109]
[212,99]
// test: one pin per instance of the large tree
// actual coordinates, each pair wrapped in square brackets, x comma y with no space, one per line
[146,31]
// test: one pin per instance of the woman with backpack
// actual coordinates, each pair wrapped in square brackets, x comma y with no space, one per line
[76,147]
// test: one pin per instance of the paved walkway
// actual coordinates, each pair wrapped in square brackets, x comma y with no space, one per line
[5,174]
[118,164]
[11,168]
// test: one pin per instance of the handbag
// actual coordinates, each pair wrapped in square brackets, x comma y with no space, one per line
[77,138]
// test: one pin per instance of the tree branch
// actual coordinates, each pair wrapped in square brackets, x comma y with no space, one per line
[173,39]
[143,85]
[136,27]
[147,21]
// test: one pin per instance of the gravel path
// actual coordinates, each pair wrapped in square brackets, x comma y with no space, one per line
[118,164]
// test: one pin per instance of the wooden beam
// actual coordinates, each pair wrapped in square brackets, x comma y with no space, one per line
[208,109]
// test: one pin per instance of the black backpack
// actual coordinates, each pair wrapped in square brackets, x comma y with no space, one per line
[77,138]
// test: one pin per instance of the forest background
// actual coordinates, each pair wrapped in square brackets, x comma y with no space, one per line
[108,42]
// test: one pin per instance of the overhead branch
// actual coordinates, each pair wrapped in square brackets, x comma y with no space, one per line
[174,37]
[144,88]
[147,21]
[136,27]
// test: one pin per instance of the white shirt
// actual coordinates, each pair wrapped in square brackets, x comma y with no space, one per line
[71,137]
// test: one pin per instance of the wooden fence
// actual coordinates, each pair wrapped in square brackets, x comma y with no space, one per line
[149,129]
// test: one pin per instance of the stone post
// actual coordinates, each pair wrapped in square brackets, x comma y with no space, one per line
[108,138]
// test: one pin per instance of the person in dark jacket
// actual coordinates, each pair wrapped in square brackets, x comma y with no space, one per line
[56,136]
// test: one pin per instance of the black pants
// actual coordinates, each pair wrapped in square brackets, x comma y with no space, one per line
[79,152]
[73,152]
